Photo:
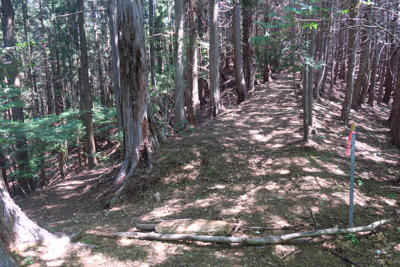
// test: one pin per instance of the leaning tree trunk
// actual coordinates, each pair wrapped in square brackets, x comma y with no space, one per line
[91,150]
[179,111]
[237,46]
[351,65]
[16,228]
[134,92]
[216,103]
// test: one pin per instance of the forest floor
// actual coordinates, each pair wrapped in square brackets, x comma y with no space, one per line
[249,165]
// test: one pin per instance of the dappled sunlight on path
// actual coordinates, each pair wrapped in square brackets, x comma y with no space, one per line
[248,165]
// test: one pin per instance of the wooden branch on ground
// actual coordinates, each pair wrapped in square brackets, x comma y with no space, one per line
[312,215]
[236,229]
[244,240]
[151,226]
[333,251]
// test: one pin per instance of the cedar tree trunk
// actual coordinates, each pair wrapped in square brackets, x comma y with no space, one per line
[179,112]
[193,75]
[91,150]
[216,104]
[237,46]
[14,81]
[134,91]
[352,47]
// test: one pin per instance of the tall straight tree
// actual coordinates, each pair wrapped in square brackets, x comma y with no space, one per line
[352,47]
[91,150]
[49,92]
[14,82]
[193,75]
[151,32]
[179,111]
[248,53]
[237,46]
[112,17]
[216,104]
[395,113]
[363,73]
[134,91]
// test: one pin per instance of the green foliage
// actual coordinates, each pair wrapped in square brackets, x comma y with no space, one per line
[353,238]
[49,133]
[368,2]
[282,47]
[28,261]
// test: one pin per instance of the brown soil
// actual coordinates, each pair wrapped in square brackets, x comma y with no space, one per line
[250,165]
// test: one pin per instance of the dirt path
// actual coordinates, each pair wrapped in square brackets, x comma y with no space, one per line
[248,165]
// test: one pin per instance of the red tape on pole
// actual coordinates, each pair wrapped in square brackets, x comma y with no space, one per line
[348,143]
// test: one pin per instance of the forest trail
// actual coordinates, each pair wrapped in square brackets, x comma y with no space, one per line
[250,165]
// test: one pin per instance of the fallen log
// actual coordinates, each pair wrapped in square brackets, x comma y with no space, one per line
[244,240]
[151,226]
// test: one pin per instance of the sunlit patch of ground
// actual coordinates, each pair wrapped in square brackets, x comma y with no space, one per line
[248,165]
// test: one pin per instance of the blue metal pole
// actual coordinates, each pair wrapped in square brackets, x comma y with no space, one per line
[353,150]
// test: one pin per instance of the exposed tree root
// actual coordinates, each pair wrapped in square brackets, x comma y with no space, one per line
[124,177]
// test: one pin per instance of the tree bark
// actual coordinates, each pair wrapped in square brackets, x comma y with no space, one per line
[362,79]
[216,104]
[179,111]
[46,68]
[246,240]
[25,17]
[237,46]
[375,60]
[345,113]
[193,75]
[134,92]
[389,75]
[14,81]
[3,170]
[112,13]
[305,100]
[391,65]
[248,52]
[151,40]
[99,61]
[395,113]
[5,258]
[311,52]
[86,88]
[324,54]
[16,228]
[381,76]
